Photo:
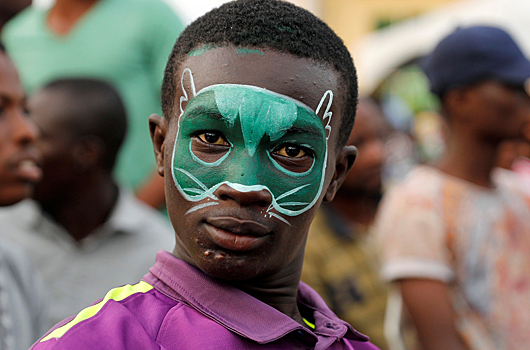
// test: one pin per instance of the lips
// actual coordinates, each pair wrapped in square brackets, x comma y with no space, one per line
[235,234]
[25,166]
[29,170]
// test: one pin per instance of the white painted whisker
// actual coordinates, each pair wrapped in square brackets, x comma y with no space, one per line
[200,206]
[279,218]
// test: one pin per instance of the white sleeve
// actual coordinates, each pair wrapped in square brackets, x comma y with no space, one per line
[412,237]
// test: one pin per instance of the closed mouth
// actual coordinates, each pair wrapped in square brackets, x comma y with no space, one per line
[235,234]
[239,226]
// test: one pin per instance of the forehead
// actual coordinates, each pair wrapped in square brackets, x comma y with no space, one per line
[298,78]
[10,86]
[49,111]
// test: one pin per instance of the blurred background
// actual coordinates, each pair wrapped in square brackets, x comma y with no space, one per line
[387,39]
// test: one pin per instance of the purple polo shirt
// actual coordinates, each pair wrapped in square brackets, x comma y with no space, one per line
[177,306]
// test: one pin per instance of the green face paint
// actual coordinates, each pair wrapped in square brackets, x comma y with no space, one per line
[201,50]
[255,123]
[248,51]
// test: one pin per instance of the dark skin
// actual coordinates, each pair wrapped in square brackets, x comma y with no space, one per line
[19,159]
[65,14]
[359,195]
[9,8]
[479,118]
[271,271]
[77,191]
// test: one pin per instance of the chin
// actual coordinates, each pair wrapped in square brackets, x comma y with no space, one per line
[229,268]
[15,194]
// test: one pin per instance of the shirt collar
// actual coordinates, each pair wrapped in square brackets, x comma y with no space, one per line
[237,310]
[122,220]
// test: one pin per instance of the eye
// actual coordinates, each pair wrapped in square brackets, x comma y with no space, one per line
[213,138]
[291,151]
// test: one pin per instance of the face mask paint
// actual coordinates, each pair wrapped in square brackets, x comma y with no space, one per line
[251,139]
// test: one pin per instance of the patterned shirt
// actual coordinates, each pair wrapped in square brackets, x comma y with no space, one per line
[475,239]
[342,264]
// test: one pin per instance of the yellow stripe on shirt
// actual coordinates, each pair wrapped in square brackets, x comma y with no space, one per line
[116,294]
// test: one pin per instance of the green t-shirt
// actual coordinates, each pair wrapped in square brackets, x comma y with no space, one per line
[126,42]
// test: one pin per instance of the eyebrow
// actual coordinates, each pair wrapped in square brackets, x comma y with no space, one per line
[212,113]
[311,131]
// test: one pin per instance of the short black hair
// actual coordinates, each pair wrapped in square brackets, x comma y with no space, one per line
[2,48]
[93,107]
[270,24]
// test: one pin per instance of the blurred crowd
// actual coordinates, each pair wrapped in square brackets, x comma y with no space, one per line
[425,245]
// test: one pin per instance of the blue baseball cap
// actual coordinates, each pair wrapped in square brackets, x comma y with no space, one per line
[472,54]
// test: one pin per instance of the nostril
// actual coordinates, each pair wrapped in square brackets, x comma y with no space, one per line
[244,195]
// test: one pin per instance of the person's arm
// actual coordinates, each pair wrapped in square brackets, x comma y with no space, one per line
[429,304]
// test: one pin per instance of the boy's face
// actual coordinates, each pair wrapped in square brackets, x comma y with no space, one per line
[18,156]
[248,157]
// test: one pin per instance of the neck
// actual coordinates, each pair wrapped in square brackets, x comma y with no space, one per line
[86,207]
[278,292]
[359,209]
[66,13]
[469,159]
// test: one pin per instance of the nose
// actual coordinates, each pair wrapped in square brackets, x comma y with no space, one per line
[244,195]
[25,132]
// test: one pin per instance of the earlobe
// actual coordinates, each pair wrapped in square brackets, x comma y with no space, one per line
[345,160]
[158,131]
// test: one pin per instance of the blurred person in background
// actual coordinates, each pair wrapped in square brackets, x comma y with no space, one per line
[125,42]
[455,236]
[83,232]
[515,155]
[9,8]
[341,260]
[22,304]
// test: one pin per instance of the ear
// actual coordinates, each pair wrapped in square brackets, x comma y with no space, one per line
[345,160]
[158,130]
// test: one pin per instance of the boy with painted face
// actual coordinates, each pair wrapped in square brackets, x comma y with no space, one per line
[254,96]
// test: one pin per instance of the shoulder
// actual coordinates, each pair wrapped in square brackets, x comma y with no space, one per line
[420,190]
[152,12]
[508,180]
[17,262]
[147,229]
[423,181]
[132,212]
[131,314]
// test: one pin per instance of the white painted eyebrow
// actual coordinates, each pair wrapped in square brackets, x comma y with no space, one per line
[257,88]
